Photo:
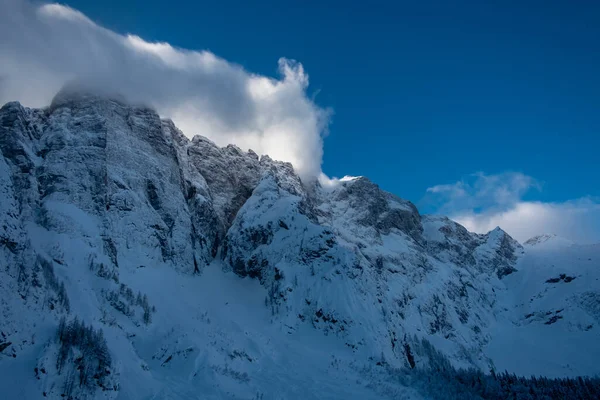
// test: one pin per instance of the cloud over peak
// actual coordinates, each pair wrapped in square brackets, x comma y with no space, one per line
[49,45]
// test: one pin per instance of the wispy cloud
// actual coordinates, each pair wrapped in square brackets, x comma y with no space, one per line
[42,47]
[481,202]
[482,191]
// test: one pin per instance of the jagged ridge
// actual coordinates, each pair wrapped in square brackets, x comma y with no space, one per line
[133,193]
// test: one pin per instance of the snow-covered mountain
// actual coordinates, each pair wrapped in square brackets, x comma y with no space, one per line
[548,240]
[137,263]
[551,317]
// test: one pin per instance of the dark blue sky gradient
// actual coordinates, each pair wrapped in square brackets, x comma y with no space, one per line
[423,92]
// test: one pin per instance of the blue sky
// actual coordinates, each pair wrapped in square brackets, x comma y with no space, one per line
[424,95]
[423,92]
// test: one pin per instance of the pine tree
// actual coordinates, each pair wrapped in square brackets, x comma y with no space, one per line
[129,295]
[147,315]
[67,304]
[22,277]
[63,298]
[35,280]
[62,328]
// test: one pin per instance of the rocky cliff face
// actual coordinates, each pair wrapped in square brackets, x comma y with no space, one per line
[98,195]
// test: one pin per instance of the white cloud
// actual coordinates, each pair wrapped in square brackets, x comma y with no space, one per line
[482,191]
[577,220]
[482,202]
[333,183]
[44,47]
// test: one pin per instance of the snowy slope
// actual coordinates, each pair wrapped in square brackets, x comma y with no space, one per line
[215,273]
[552,314]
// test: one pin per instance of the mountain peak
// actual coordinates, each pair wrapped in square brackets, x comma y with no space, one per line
[78,92]
[180,222]
[546,240]
[544,237]
[498,233]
